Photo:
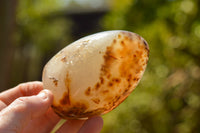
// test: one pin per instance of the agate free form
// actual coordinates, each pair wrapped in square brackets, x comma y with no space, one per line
[94,74]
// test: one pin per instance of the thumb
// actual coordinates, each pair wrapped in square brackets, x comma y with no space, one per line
[22,110]
[92,125]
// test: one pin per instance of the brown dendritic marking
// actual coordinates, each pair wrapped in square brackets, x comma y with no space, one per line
[97,86]
[129,61]
[146,46]
[122,43]
[134,64]
[58,110]
[117,80]
[136,79]
[130,67]
[96,100]
[64,59]
[79,110]
[128,36]
[109,58]
[65,100]
[133,61]
[131,64]
[55,81]
[126,92]
[76,111]
[129,78]
[88,91]
[119,36]
[66,97]
[108,76]
[114,41]
[113,102]
[105,91]
[110,84]
[101,80]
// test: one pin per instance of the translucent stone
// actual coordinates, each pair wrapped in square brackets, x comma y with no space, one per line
[94,74]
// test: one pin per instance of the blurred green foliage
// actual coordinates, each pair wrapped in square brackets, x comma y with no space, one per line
[40,24]
[167,100]
[41,31]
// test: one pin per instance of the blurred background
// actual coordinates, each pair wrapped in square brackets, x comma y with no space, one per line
[167,100]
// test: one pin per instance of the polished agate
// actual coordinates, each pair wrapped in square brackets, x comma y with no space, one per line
[94,74]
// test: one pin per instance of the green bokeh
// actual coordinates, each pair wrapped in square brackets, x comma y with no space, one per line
[167,100]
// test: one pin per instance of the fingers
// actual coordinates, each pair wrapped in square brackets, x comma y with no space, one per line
[92,125]
[2,105]
[15,116]
[71,126]
[24,89]
[22,108]
[43,123]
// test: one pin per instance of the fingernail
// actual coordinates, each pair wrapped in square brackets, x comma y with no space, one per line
[43,94]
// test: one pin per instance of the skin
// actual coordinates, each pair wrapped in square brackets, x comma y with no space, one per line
[26,108]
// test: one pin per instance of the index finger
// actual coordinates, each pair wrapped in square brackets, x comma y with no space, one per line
[24,89]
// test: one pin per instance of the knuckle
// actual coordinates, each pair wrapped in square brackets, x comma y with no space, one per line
[21,85]
[22,88]
[2,105]
[20,104]
[21,100]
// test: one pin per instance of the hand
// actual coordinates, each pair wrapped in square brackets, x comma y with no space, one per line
[26,109]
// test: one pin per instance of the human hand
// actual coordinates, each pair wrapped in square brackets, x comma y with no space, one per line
[26,109]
